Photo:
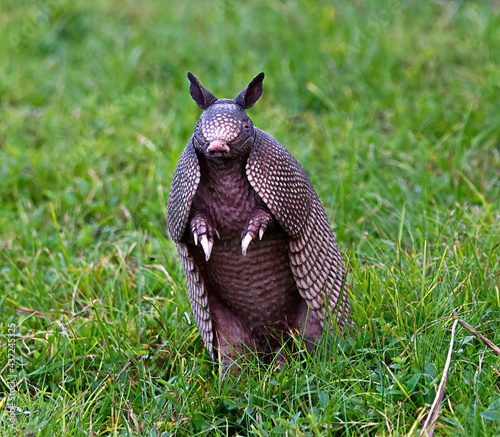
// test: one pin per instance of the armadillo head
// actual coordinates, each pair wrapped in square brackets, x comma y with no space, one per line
[224,131]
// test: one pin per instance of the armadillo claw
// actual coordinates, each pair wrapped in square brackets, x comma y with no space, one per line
[257,223]
[245,243]
[203,232]
[207,246]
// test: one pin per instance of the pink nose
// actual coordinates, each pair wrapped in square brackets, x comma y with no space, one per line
[218,146]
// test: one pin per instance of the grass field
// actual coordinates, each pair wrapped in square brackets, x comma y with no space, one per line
[393,108]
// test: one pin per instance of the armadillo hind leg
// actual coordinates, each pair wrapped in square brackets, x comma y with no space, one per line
[232,338]
[308,326]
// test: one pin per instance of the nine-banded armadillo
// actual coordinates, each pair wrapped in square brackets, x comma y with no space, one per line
[260,258]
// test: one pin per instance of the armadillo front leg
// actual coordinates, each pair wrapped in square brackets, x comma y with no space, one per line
[259,220]
[203,231]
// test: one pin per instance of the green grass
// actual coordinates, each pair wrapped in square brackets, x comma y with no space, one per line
[393,109]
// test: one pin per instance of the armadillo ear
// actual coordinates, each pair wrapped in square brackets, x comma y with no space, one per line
[200,95]
[247,98]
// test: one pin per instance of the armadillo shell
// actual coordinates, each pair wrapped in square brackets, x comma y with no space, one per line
[280,181]
[286,190]
[184,185]
[198,296]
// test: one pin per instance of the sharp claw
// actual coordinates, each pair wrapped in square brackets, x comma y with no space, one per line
[207,246]
[245,243]
[261,233]
[195,236]
[217,233]
[210,245]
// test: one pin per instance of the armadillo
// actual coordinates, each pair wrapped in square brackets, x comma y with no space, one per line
[260,259]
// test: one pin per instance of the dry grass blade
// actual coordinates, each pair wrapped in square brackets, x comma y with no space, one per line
[430,422]
[480,336]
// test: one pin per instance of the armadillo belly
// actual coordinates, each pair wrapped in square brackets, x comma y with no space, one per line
[258,288]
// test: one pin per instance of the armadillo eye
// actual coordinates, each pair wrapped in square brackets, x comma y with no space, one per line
[200,140]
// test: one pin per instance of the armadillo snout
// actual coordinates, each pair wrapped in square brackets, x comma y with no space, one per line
[217,148]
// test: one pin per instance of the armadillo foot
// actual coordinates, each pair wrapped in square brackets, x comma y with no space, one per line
[203,232]
[259,220]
